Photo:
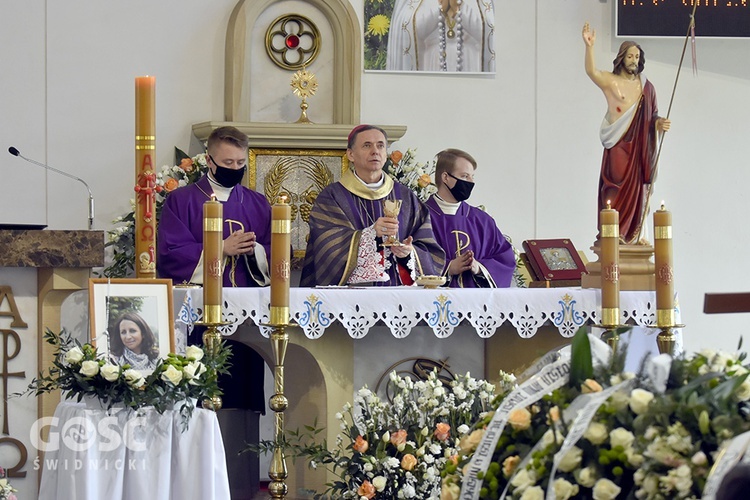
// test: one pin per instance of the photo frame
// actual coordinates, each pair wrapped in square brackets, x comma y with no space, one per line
[138,306]
[554,260]
[300,174]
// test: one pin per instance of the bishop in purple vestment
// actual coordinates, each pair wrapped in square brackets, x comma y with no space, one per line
[477,253]
[247,220]
[348,225]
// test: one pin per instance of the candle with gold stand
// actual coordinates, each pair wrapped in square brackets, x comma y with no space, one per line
[610,258]
[609,234]
[281,226]
[664,270]
[145,177]
[213,250]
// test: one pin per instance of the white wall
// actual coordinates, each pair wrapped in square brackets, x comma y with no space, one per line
[67,98]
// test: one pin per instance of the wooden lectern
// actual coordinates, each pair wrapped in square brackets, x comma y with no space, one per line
[63,260]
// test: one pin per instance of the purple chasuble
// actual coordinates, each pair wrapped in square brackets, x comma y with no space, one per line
[336,223]
[489,245]
[179,240]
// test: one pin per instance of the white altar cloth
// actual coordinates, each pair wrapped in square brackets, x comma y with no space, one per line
[442,309]
[94,454]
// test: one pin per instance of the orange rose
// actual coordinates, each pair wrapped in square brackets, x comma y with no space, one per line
[510,464]
[171,184]
[520,419]
[442,431]
[554,414]
[424,180]
[408,462]
[187,165]
[360,445]
[398,437]
[366,490]
[396,157]
[588,386]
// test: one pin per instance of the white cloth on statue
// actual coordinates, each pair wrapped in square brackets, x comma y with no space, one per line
[414,37]
[611,133]
[132,459]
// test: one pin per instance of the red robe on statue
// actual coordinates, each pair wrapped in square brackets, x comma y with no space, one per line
[628,165]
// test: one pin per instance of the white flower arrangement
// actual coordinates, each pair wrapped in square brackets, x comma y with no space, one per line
[7,492]
[404,168]
[397,449]
[644,442]
[176,382]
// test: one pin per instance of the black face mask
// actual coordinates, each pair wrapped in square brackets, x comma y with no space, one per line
[461,190]
[228,177]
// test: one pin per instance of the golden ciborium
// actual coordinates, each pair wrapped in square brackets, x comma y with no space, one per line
[391,208]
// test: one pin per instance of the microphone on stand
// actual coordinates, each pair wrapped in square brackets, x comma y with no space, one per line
[15,152]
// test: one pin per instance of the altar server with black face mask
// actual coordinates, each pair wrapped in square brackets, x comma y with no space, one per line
[477,253]
[246,224]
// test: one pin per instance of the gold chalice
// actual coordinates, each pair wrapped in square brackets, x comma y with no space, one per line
[391,208]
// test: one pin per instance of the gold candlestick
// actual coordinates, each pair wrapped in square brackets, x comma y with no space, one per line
[211,343]
[279,316]
[277,471]
[213,250]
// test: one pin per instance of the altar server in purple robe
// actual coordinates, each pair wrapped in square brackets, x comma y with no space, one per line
[348,225]
[478,254]
[247,219]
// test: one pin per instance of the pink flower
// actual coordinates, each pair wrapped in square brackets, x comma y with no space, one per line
[442,431]
[366,490]
[398,437]
[360,445]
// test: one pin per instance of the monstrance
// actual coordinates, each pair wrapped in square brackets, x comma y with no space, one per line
[304,84]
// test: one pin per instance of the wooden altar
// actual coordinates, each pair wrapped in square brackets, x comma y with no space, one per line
[351,337]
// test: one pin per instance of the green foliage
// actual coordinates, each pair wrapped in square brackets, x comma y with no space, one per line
[79,371]
[377,24]
[581,365]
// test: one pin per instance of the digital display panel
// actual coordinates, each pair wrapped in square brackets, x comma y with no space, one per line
[713,18]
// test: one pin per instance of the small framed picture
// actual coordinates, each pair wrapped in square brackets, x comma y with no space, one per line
[132,320]
[553,260]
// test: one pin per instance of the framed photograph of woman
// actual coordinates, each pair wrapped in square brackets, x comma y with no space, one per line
[132,320]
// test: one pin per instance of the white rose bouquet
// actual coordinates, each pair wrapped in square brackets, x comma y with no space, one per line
[176,382]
